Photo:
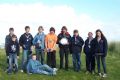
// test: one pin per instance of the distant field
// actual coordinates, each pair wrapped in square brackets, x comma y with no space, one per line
[113,68]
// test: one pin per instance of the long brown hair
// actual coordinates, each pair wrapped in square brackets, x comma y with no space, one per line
[102,35]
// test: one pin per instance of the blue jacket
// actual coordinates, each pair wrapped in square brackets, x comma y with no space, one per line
[39,41]
[87,47]
[76,45]
[33,66]
[26,41]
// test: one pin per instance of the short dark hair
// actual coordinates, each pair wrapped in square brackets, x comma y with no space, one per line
[33,54]
[27,27]
[14,36]
[64,27]
[52,29]
[11,29]
[75,31]
[40,27]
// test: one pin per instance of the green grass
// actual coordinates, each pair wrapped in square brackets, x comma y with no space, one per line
[113,68]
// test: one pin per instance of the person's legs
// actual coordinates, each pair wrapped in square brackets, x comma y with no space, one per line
[61,52]
[87,63]
[24,59]
[98,63]
[42,56]
[66,58]
[37,54]
[103,64]
[53,59]
[74,61]
[93,64]
[16,62]
[10,63]
[49,59]
[78,61]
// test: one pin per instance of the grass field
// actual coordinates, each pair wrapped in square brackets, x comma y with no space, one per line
[113,68]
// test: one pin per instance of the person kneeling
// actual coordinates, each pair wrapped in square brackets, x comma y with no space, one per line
[35,67]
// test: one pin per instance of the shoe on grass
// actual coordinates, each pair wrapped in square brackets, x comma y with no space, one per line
[104,75]
[100,74]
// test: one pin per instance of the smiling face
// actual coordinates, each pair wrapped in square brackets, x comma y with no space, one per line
[34,57]
[90,34]
[98,34]
[27,30]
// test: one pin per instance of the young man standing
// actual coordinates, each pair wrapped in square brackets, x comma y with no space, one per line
[64,45]
[50,43]
[39,42]
[76,46]
[26,42]
[13,54]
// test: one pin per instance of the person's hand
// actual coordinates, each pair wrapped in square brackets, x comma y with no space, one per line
[8,57]
[17,57]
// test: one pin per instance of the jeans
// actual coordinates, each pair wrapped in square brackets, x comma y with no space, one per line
[64,52]
[44,69]
[98,58]
[12,57]
[25,57]
[40,55]
[76,61]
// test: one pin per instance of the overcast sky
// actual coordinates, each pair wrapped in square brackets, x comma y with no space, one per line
[84,15]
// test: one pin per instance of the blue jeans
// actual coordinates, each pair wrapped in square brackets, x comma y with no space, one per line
[98,58]
[12,57]
[40,55]
[76,61]
[44,69]
[25,57]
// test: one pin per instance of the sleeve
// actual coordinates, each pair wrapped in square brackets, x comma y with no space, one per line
[6,43]
[21,40]
[8,49]
[81,42]
[105,47]
[46,39]
[18,49]
[34,40]
[31,40]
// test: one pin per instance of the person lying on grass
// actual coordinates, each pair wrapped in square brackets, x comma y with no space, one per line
[35,67]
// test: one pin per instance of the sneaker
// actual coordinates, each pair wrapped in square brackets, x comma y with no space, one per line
[104,75]
[100,74]
[93,72]
[55,69]
[21,71]
[87,72]
[54,72]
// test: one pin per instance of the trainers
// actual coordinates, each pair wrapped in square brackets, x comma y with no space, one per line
[104,75]
[21,71]
[100,74]
[87,72]
[55,69]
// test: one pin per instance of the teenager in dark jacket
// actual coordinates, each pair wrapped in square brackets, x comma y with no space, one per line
[8,39]
[26,42]
[90,58]
[76,46]
[64,44]
[100,49]
[13,54]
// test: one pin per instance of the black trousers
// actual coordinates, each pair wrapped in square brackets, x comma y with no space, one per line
[64,52]
[51,59]
[90,63]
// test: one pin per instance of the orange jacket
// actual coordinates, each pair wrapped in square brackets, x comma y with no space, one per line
[50,41]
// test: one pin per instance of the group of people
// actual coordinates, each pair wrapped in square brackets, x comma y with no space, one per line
[94,49]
